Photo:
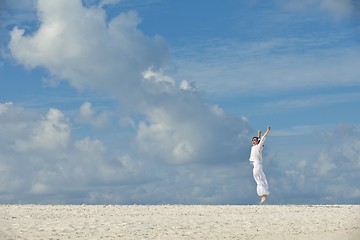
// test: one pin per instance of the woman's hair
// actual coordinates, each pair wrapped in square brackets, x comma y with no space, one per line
[255,138]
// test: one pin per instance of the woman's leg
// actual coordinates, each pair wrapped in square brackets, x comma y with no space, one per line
[262,187]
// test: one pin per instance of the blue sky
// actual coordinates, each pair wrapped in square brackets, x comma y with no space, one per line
[155,102]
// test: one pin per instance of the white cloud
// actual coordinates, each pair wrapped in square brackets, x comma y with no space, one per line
[86,111]
[342,146]
[90,147]
[173,124]
[180,149]
[51,133]
[185,85]
[39,188]
[79,45]
[158,77]
[4,107]
[14,121]
[326,171]
[88,115]
[169,139]
[25,12]
[325,164]
[88,170]
[47,159]
[185,129]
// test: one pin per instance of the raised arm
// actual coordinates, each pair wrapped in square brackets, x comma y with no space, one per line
[259,134]
[267,131]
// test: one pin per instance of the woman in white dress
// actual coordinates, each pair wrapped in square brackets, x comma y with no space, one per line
[256,160]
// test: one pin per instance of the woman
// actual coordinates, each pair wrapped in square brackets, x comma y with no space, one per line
[256,160]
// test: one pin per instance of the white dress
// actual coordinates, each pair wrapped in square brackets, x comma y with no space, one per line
[262,187]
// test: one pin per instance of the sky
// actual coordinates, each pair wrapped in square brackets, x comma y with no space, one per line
[155,102]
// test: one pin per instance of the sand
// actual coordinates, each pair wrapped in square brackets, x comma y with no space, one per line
[180,222]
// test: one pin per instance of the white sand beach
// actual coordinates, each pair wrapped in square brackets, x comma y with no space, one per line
[271,222]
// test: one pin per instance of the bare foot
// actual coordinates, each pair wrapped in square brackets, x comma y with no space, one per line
[263,198]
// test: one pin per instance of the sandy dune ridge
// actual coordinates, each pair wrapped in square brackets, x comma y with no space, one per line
[180,222]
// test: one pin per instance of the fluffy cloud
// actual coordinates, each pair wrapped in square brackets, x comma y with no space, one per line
[339,162]
[87,114]
[171,146]
[177,139]
[39,155]
[68,169]
[78,44]
[7,16]
[181,133]
[326,172]
[50,134]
